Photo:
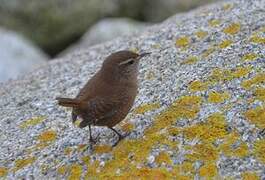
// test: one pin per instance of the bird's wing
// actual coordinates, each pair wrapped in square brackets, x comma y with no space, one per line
[98,109]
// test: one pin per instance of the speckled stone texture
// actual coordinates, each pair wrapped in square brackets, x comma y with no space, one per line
[199,114]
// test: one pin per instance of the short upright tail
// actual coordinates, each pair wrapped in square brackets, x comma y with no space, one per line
[68,102]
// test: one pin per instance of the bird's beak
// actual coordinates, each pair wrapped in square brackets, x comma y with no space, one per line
[143,54]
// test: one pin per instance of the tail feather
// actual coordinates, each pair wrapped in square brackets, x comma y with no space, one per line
[68,102]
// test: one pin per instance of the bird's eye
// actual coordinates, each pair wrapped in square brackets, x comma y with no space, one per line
[130,62]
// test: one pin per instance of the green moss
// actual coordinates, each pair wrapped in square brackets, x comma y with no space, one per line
[32,122]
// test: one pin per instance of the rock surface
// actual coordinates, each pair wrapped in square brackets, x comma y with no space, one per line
[199,111]
[106,30]
[17,55]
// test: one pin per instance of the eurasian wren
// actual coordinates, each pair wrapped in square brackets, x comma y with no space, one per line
[109,95]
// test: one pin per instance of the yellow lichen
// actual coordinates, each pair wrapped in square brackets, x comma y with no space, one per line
[201,34]
[127,127]
[204,151]
[185,168]
[100,149]
[21,163]
[256,116]
[190,60]
[68,150]
[241,150]
[240,72]
[146,107]
[207,52]
[208,170]
[86,159]
[62,170]
[232,29]
[258,79]
[249,57]
[47,136]
[211,130]
[227,7]
[257,39]
[198,86]
[216,97]
[214,22]
[3,172]
[225,44]
[250,176]
[31,122]
[183,41]
[259,149]
[75,172]
[260,94]
[163,157]
[150,75]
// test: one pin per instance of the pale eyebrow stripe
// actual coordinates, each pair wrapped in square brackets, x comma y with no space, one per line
[125,62]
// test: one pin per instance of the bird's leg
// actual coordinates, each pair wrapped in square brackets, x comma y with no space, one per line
[116,132]
[93,141]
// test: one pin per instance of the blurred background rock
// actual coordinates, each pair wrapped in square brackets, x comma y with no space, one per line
[55,25]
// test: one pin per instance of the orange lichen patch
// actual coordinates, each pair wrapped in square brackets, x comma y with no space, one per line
[201,34]
[216,97]
[204,151]
[211,130]
[207,52]
[3,172]
[62,170]
[21,163]
[146,107]
[256,116]
[225,44]
[173,131]
[183,41]
[250,176]
[100,149]
[227,7]
[31,122]
[260,94]
[198,86]
[227,148]
[190,60]
[257,39]
[259,149]
[249,57]
[232,29]
[258,79]
[75,172]
[163,157]
[127,127]
[208,170]
[47,136]
[214,22]
[150,75]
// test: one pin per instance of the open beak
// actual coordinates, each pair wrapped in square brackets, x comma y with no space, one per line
[144,54]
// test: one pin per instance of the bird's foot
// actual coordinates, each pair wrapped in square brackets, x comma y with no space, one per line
[94,140]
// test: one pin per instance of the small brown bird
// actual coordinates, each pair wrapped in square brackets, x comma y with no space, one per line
[108,96]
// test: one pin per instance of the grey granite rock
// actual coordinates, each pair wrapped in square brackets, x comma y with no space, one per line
[199,112]
[17,55]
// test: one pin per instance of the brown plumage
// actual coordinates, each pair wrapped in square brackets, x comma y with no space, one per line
[109,95]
